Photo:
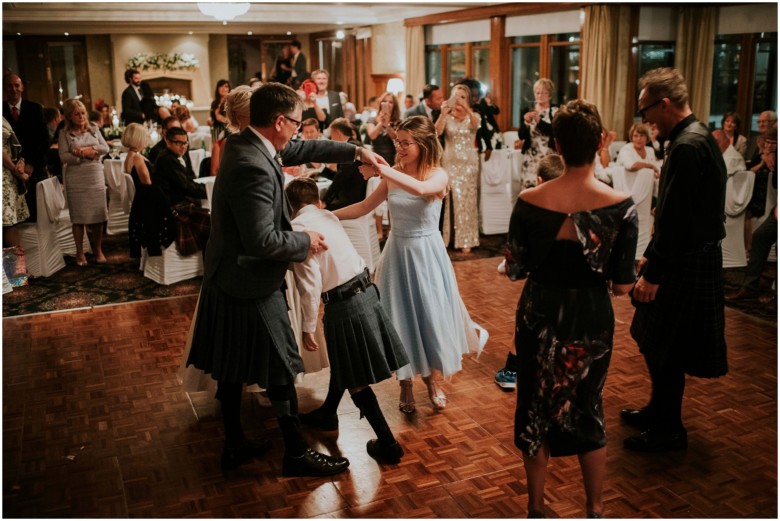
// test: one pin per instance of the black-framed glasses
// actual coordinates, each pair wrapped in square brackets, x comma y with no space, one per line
[179,143]
[653,104]
[403,144]
[297,123]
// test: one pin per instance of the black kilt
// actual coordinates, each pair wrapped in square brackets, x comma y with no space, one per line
[244,340]
[684,326]
[363,346]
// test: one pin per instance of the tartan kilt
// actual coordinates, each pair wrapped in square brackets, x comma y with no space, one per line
[684,325]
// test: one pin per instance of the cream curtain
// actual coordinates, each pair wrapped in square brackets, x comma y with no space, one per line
[415,60]
[694,54]
[606,48]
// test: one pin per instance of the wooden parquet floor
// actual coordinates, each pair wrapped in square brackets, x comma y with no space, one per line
[95,425]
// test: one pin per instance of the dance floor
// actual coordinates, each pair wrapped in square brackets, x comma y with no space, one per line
[95,424]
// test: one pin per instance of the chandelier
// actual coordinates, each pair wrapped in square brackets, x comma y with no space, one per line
[223,11]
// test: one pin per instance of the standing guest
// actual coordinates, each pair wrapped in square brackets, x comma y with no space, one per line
[678,323]
[328,100]
[550,167]
[487,111]
[641,169]
[459,124]
[414,271]
[15,209]
[574,238]
[657,142]
[536,129]
[133,111]
[52,116]
[283,66]
[430,105]
[363,346]
[242,332]
[311,109]
[310,129]
[728,133]
[81,147]
[380,132]
[237,114]
[348,185]
[26,119]
[217,119]
[298,60]
[188,122]
[408,102]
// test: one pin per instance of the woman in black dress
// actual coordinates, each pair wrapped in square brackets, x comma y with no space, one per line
[574,238]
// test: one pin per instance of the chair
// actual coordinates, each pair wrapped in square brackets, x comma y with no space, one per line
[170,267]
[614,149]
[43,254]
[495,195]
[510,136]
[362,232]
[120,196]
[197,156]
[739,189]
[640,184]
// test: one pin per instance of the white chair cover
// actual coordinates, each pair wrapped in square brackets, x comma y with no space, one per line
[209,183]
[198,140]
[119,199]
[43,254]
[640,185]
[739,189]
[170,267]
[495,197]
[197,156]
[510,136]
[362,232]
[614,149]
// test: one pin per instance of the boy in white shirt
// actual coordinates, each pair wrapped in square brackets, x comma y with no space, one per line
[363,346]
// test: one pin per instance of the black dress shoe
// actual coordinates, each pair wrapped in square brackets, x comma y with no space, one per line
[385,453]
[313,463]
[653,440]
[320,420]
[234,457]
[639,418]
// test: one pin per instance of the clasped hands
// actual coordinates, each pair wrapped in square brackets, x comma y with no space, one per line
[85,152]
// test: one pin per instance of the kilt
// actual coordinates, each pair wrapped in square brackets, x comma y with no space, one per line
[684,326]
[193,226]
[244,340]
[363,346]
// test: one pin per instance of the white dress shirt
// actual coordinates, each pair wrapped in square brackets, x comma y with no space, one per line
[327,269]
[267,142]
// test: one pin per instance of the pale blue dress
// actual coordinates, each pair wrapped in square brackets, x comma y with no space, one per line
[418,289]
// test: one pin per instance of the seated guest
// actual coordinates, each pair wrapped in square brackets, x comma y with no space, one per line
[53,117]
[160,146]
[181,191]
[188,123]
[729,134]
[136,139]
[171,173]
[604,158]
[310,129]
[348,186]
[753,151]
[657,142]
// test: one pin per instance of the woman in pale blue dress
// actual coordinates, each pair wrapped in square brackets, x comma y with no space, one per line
[415,276]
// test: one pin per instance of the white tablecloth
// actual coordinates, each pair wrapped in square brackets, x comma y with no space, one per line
[209,182]
[199,140]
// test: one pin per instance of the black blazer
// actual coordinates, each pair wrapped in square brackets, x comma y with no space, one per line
[348,186]
[175,180]
[132,110]
[157,150]
[252,242]
[32,134]
[417,110]
[335,109]
[300,69]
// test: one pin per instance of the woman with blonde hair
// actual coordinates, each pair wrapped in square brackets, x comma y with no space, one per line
[460,123]
[536,130]
[236,110]
[135,139]
[81,146]
[414,271]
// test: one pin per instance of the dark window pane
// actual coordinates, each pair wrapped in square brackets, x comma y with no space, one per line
[457,66]
[527,39]
[480,65]
[565,37]
[651,56]
[565,72]
[725,80]
[525,72]
[433,65]
[765,79]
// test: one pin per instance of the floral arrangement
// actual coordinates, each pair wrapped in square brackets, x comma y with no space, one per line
[145,61]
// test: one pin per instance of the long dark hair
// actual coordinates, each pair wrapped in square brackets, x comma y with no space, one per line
[217,98]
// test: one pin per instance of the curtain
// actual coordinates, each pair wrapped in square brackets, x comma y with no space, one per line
[606,48]
[415,60]
[694,55]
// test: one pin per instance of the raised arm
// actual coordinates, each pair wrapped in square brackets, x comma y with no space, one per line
[436,184]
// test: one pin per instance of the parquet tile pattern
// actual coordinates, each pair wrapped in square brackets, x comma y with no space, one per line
[95,425]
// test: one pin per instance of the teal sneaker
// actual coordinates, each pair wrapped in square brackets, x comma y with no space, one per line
[506,379]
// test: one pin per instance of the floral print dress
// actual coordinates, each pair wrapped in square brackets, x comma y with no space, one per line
[14,205]
[564,322]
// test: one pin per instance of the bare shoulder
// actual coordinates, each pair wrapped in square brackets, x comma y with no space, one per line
[610,196]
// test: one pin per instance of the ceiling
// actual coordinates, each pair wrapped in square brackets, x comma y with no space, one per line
[29,18]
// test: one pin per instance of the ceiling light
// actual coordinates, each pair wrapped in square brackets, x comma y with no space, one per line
[289,33]
[190,33]
[67,34]
[223,11]
[249,33]
[339,34]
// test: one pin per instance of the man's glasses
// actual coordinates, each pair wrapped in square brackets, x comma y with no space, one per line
[653,104]
[179,143]
[297,123]
[403,145]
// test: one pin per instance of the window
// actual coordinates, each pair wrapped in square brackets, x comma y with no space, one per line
[744,78]
[433,64]
[450,63]
[650,55]
[556,57]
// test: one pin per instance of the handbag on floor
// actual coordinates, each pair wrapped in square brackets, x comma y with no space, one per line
[15,266]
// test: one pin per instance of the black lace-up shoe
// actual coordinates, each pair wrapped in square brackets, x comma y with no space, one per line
[313,463]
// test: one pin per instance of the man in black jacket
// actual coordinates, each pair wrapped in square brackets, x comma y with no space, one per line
[171,173]
[679,319]
[26,118]
[161,146]
[136,91]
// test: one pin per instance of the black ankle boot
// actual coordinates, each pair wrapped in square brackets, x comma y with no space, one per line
[385,448]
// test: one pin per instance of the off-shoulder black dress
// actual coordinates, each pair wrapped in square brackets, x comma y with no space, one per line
[564,322]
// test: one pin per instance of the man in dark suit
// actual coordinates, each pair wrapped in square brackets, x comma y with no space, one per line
[430,105]
[329,100]
[161,146]
[26,118]
[299,72]
[132,97]
[171,173]
[679,320]
[242,332]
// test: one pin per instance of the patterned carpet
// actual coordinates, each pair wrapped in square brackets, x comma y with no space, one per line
[120,280]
